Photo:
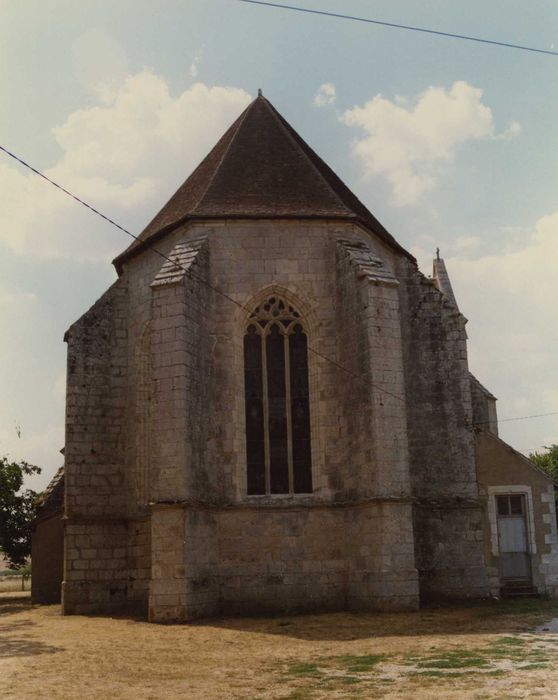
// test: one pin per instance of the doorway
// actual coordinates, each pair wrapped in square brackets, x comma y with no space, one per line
[513,543]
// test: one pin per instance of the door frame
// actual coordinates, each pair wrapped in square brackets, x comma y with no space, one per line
[521,517]
[511,490]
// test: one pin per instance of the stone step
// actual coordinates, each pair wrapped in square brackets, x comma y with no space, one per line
[519,591]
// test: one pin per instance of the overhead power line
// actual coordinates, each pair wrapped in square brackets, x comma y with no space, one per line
[178,266]
[190,273]
[506,420]
[394,25]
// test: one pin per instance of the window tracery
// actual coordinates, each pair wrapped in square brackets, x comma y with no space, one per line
[277,402]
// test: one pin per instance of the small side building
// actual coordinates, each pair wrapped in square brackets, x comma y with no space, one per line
[47,551]
[521,546]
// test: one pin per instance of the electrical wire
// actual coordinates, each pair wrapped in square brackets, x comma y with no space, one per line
[393,25]
[506,420]
[190,273]
[178,266]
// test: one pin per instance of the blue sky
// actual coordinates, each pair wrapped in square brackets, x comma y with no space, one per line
[449,143]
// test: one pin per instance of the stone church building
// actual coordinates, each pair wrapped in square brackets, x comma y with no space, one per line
[271,411]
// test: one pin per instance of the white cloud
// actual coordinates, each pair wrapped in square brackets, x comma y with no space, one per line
[410,144]
[510,300]
[464,244]
[126,156]
[194,66]
[513,130]
[325,95]
[11,299]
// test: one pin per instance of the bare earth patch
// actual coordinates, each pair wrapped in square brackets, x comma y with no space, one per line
[493,650]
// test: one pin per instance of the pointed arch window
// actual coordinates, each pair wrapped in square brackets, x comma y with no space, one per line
[278,449]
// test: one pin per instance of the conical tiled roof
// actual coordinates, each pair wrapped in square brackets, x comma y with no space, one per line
[260,168]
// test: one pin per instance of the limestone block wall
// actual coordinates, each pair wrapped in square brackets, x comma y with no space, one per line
[96,541]
[447,518]
[250,262]
[169,486]
[438,390]
[485,416]
[185,575]
[381,557]
[138,564]
[95,567]
[282,559]
[95,408]
[247,261]
[203,572]
[373,396]
[449,550]
[503,470]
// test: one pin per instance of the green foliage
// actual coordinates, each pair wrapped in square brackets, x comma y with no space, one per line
[17,510]
[547,461]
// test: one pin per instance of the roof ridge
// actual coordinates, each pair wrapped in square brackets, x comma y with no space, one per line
[287,129]
[239,121]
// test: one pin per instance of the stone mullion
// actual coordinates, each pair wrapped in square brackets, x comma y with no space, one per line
[288,411]
[266,415]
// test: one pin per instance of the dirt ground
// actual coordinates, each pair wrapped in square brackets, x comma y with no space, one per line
[493,650]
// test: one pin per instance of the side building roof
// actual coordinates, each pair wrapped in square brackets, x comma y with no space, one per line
[51,501]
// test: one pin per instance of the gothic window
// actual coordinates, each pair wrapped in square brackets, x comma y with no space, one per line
[278,447]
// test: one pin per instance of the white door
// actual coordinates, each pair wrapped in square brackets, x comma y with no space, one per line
[513,544]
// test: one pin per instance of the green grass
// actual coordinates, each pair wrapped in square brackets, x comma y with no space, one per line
[508,648]
[440,674]
[304,670]
[359,664]
[534,609]
[332,673]
[454,660]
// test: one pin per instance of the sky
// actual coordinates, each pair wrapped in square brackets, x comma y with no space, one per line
[451,144]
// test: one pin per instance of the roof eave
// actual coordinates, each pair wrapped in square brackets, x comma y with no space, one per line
[140,246]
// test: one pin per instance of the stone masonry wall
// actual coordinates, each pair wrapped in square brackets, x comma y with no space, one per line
[248,261]
[95,561]
[276,560]
[368,322]
[182,493]
[279,560]
[95,409]
[448,516]
[484,407]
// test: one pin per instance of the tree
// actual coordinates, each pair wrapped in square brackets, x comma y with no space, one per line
[17,510]
[547,461]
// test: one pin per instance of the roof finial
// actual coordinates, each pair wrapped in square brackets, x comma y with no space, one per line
[437,253]
[260,93]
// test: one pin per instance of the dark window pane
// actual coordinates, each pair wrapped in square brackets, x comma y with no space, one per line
[300,412]
[502,502]
[278,460]
[253,394]
[516,505]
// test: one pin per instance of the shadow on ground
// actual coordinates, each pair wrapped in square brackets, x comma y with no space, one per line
[11,603]
[491,617]
[15,639]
